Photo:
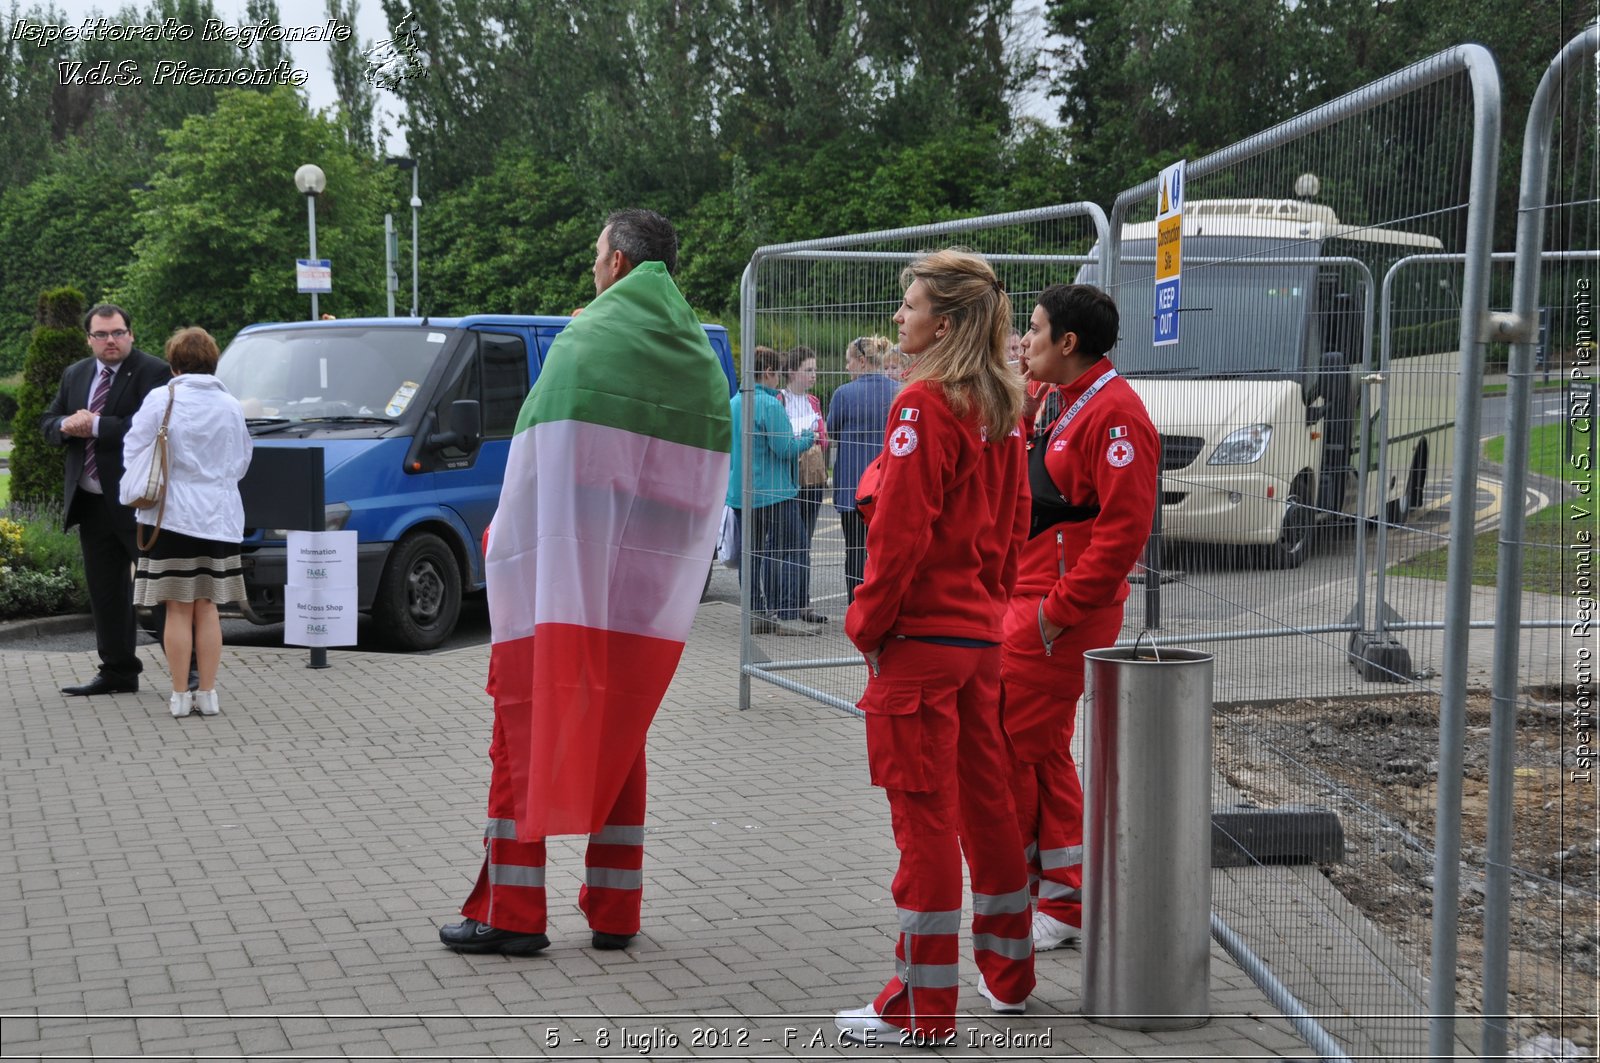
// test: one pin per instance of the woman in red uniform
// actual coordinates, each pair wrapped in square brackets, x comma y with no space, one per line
[1092,471]
[942,548]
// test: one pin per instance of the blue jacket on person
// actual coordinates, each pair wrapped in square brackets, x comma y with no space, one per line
[775,449]
[858,416]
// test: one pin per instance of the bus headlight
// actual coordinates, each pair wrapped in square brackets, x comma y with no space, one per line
[1243,446]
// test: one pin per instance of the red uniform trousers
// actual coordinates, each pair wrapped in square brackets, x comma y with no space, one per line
[1039,708]
[934,744]
[510,892]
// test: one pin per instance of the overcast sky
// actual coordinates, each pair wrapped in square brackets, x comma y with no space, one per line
[371,26]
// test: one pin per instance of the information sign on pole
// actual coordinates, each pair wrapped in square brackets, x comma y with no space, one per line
[314,275]
[319,599]
[1169,254]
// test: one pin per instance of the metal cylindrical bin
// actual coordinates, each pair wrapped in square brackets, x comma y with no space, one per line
[1147,838]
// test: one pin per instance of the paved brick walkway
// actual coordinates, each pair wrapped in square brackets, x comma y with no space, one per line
[271,881]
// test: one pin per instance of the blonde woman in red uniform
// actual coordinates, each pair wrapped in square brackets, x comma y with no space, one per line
[1092,472]
[950,512]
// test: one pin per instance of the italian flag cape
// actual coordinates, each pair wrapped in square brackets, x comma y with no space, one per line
[599,549]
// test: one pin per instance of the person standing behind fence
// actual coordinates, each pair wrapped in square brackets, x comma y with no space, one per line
[1092,471]
[942,550]
[811,469]
[776,529]
[193,564]
[857,416]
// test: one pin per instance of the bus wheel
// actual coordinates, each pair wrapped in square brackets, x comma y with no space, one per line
[1298,529]
[1410,499]
[1417,478]
[419,597]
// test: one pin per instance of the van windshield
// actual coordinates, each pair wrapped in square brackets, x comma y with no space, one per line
[370,374]
[1236,318]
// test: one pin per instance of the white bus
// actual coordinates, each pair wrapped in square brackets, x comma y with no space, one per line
[1258,405]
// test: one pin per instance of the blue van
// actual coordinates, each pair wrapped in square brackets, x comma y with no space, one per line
[415,418]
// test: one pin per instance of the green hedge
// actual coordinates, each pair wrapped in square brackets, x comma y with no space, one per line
[57,343]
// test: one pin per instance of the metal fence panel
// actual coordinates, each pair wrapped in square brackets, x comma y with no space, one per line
[1313,398]
[1540,857]
[814,299]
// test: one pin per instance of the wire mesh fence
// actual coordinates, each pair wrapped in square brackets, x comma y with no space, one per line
[1311,405]
[1324,530]
[829,305]
[1541,847]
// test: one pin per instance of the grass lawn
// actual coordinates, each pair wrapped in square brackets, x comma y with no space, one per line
[1547,454]
[1547,561]
[1501,389]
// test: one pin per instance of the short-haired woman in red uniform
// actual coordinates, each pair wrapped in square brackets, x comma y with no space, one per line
[950,514]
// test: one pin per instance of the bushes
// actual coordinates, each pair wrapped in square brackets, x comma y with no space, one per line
[8,404]
[41,569]
[57,343]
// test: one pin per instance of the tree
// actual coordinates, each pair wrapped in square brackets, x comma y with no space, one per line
[66,227]
[129,118]
[25,108]
[57,343]
[480,267]
[221,226]
[356,94]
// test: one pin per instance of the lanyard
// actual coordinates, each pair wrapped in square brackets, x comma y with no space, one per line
[1072,411]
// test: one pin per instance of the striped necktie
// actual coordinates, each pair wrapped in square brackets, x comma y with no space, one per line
[97,402]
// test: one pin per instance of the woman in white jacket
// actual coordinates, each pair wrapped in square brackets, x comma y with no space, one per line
[194,561]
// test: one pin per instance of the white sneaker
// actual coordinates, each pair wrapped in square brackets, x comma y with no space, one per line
[861,1026]
[205,702]
[998,1006]
[1051,933]
[182,704]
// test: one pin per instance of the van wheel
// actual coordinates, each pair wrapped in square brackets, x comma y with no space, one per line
[1298,529]
[419,597]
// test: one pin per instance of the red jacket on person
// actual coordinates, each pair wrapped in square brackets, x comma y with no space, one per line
[1107,456]
[934,565]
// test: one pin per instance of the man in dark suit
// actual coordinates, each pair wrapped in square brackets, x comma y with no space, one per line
[97,399]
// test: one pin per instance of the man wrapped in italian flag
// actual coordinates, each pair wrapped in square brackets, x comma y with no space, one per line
[595,562]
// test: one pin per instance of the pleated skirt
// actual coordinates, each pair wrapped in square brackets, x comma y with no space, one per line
[182,568]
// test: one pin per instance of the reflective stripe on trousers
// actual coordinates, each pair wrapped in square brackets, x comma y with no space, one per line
[964,811]
[510,891]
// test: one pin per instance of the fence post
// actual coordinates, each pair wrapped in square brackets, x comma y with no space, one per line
[1523,331]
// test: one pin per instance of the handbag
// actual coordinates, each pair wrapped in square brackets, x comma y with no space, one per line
[813,468]
[154,493]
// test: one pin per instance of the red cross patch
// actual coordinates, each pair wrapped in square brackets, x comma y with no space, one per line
[902,441]
[1119,453]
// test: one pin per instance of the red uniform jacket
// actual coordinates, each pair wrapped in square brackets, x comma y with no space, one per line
[1107,456]
[952,510]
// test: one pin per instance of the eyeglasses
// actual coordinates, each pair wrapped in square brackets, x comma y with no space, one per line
[114,334]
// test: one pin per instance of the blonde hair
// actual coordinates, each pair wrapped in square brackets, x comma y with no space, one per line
[969,361]
[870,349]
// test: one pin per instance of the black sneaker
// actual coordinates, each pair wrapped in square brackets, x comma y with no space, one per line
[611,942]
[471,936]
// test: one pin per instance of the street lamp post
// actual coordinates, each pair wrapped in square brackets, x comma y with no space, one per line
[416,205]
[311,182]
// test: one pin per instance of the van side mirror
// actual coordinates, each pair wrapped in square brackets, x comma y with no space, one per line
[466,427]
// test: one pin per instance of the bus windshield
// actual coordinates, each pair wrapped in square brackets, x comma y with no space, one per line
[330,373]
[1237,317]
